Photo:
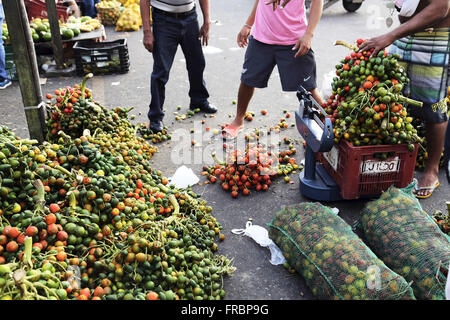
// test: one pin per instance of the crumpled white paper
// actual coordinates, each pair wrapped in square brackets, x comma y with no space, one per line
[183,178]
[261,236]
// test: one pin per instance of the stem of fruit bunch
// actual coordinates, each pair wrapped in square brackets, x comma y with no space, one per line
[20,142]
[40,285]
[63,170]
[216,160]
[409,101]
[95,132]
[176,206]
[28,251]
[40,195]
[83,86]
[224,265]
[345,44]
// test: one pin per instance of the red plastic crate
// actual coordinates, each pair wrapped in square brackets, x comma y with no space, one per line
[38,9]
[359,174]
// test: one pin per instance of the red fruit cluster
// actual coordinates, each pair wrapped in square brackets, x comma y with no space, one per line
[251,169]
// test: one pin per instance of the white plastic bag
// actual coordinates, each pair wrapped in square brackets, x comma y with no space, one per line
[183,178]
[261,236]
[326,89]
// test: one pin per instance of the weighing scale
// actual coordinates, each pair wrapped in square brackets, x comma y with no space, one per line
[315,182]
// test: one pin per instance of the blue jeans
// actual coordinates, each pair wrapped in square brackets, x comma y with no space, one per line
[168,33]
[89,7]
[3,75]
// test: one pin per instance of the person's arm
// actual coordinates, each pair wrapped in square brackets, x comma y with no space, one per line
[146,26]
[436,11]
[204,30]
[242,38]
[74,9]
[304,43]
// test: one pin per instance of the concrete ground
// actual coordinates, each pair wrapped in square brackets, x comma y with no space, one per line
[255,277]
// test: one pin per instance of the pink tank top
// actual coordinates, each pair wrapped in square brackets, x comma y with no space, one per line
[282,26]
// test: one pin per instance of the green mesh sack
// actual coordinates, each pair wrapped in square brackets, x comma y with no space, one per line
[335,263]
[408,241]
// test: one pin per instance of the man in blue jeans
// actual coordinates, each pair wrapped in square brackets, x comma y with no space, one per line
[175,23]
[4,81]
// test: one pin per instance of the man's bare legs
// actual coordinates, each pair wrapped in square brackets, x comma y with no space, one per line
[435,134]
[245,94]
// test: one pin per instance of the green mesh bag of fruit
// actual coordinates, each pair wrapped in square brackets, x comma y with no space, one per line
[408,241]
[334,261]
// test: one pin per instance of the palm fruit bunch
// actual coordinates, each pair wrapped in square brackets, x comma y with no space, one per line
[366,106]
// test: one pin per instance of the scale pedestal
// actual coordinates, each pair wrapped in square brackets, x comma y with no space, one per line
[321,187]
[315,181]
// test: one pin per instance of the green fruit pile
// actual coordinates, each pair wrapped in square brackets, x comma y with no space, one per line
[408,240]
[92,203]
[334,262]
[366,106]
[40,31]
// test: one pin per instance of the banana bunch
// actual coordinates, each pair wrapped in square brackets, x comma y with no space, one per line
[90,25]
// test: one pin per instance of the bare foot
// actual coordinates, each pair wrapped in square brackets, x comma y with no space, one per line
[231,131]
[238,123]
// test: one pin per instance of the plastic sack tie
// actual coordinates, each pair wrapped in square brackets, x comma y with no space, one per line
[261,236]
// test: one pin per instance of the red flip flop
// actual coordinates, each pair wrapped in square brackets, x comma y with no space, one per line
[231,132]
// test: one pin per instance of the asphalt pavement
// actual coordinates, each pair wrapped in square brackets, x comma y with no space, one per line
[255,277]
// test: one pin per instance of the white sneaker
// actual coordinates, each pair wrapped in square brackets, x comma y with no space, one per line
[5,83]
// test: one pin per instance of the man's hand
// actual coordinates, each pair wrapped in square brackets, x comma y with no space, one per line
[378,43]
[242,37]
[303,45]
[204,33]
[148,40]
[276,3]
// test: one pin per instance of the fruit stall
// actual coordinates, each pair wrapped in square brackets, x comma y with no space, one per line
[124,15]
